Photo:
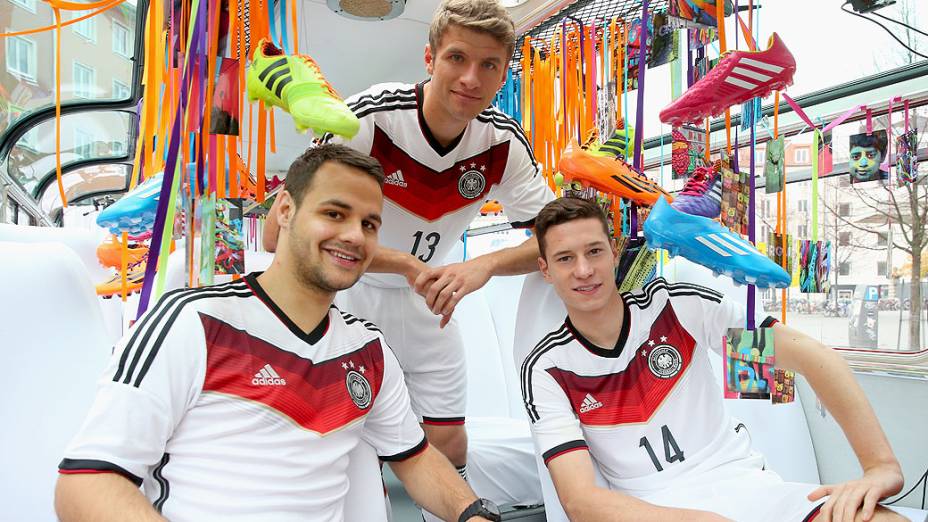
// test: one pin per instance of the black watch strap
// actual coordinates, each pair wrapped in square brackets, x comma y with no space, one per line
[481,508]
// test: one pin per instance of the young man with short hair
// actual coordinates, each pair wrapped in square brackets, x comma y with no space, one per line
[444,151]
[241,401]
[625,385]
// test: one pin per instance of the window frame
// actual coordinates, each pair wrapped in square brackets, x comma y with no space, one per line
[122,85]
[28,5]
[801,155]
[89,23]
[128,40]
[31,58]
[80,143]
[93,80]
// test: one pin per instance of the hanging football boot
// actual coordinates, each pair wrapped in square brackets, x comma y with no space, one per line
[109,253]
[135,276]
[607,174]
[739,76]
[707,243]
[135,211]
[620,144]
[296,84]
[702,193]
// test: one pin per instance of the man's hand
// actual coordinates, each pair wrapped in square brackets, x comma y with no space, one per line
[413,269]
[443,287]
[877,483]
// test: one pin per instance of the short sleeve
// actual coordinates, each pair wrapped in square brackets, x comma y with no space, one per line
[555,427]
[523,190]
[154,376]
[715,312]
[391,427]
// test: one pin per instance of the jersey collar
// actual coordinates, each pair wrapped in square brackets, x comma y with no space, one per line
[426,131]
[311,337]
[619,344]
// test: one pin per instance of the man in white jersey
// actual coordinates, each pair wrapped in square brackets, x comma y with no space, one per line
[444,151]
[241,401]
[625,388]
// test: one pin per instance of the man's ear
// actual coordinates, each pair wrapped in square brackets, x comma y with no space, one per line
[286,209]
[543,268]
[429,59]
[615,251]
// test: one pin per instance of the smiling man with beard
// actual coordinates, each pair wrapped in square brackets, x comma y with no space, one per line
[241,401]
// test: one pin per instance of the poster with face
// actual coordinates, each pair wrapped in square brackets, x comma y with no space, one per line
[865,154]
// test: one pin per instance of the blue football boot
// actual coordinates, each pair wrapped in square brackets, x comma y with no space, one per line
[135,212]
[707,243]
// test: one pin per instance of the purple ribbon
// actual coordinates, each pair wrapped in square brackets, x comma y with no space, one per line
[169,168]
[639,117]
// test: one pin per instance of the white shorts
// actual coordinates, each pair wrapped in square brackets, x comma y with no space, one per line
[432,358]
[742,495]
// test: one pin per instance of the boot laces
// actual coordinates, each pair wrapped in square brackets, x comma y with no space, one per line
[696,185]
[325,83]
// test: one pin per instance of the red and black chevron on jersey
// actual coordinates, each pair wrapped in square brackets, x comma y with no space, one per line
[434,191]
[649,409]
[216,398]
[312,394]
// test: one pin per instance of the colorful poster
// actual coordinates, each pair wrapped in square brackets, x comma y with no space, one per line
[699,12]
[207,213]
[774,176]
[825,159]
[748,364]
[736,191]
[224,114]
[664,47]
[814,266]
[784,389]
[775,250]
[907,157]
[702,66]
[866,153]
[688,151]
[229,251]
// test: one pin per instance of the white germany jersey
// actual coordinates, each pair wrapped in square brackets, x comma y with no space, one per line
[223,409]
[432,193]
[649,410]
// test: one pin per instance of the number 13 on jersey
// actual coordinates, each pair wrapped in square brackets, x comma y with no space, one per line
[424,245]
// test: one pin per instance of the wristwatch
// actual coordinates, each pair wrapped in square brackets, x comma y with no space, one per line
[481,508]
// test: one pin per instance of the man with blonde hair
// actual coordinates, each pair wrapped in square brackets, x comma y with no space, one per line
[444,151]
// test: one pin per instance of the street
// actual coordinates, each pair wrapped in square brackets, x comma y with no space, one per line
[833,331]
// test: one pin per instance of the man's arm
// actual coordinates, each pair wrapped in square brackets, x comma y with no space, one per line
[444,286]
[584,501]
[433,483]
[833,382]
[101,497]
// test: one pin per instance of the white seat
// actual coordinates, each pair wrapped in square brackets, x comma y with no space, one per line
[54,349]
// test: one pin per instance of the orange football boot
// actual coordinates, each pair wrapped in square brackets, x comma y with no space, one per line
[135,276]
[608,174]
[491,207]
[109,253]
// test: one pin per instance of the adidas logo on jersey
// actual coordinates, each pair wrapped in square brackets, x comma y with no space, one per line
[589,404]
[396,179]
[268,377]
